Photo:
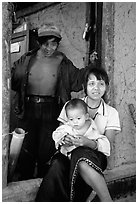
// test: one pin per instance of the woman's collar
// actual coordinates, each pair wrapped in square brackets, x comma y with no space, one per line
[102,110]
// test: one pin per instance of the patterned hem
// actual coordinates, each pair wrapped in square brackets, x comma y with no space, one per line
[75,172]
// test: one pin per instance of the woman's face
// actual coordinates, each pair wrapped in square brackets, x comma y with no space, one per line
[95,88]
[49,47]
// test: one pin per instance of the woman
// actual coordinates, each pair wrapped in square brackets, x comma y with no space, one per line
[69,179]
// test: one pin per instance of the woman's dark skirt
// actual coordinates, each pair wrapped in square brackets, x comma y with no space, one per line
[97,160]
[63,183]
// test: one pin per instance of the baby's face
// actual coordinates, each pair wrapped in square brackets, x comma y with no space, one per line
[77,118]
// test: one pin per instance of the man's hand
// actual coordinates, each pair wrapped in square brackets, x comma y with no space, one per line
[93,57]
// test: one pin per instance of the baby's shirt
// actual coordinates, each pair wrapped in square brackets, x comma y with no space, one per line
[91,133]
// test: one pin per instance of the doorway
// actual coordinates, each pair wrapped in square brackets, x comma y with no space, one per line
[94,19]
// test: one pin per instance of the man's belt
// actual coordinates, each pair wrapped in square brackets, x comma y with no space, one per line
[40,99]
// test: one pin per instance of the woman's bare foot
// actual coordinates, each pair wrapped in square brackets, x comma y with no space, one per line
[91,196]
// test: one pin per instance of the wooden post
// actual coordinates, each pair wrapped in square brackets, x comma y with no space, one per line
[6,36]
[108,61]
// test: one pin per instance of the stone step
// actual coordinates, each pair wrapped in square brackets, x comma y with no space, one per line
[121,182]
[122,189]
[127,198]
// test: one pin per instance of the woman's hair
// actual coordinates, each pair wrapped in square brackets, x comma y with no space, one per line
[99,73]
[76,103]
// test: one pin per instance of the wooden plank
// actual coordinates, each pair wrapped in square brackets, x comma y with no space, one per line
[6,35]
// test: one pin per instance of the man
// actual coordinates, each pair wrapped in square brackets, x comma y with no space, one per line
[43,80]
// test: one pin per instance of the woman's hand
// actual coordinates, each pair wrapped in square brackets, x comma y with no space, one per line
[84,141]
[80,141]
[68,140]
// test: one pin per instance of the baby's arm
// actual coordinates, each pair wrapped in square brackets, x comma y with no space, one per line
[58,135]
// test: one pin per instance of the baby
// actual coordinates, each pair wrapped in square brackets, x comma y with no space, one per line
[78,124]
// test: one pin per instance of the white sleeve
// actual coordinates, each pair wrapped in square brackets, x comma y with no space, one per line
[59,133]
[113,122]
[62,117]
[103,145]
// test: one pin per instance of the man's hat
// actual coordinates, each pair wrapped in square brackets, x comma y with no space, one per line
[49,30]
